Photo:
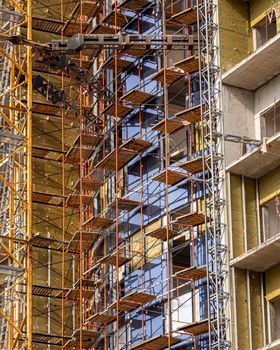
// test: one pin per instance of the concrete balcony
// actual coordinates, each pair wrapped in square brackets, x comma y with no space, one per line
[260,161]
[256,69]
[261,258]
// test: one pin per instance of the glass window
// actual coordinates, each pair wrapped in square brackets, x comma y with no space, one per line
[270,121]
[266,30]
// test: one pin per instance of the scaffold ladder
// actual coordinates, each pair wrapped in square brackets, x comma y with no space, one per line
[213,175]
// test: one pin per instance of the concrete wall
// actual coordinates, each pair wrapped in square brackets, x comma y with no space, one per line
[242,111]
[239,119]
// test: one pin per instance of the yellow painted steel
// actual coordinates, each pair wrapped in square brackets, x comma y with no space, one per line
[17,119]
[29,176]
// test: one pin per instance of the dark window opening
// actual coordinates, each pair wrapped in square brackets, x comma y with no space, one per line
[265,30]
[270,122]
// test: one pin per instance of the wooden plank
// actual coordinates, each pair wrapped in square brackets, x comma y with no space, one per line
[121,111]
[103,318]
[117,18]
[86,61]
[157,343]
[86,334]
[137,145]
[161,233]
[192,273]
[126,152]
[46,291]
[45,153]
[73,201]
[191,115]
[191,219]
[134,5]
[123,305]
[139,297]
[172,125]
[88,143]
[46,198]
[136,50]
[73,155]
[171,75]
[47,243]
[74,294]
[193,166]
[112,259]
[126,204]
[98,222]
[122,64]
[52,339]
[189,65]
[196,328]
[80,16]
[132,301]
[109,162]
[136,97]
[93,52]
[89,9]
[186,17]
[88,184]
[85,283]
[47,25]
[45,108]
[88,339]
[74,246]
[173,177]
[103,29]
[88,238]
[41,291]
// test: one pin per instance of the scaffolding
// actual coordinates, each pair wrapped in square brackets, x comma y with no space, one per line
[123,212]
[15,180]
[213,176]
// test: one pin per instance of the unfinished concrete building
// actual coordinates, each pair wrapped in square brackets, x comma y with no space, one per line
[140,174]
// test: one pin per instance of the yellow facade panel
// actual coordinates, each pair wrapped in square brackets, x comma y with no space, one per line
[242,309]
[261,8]
[251,213]
[235,32]
[237,215]
[272,282]
[269,186]
[256,310]
[152,246]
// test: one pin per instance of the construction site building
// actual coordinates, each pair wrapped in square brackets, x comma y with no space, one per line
[140,174]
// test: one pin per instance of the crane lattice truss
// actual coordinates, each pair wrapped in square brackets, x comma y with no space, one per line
[95,111]
[15,181]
